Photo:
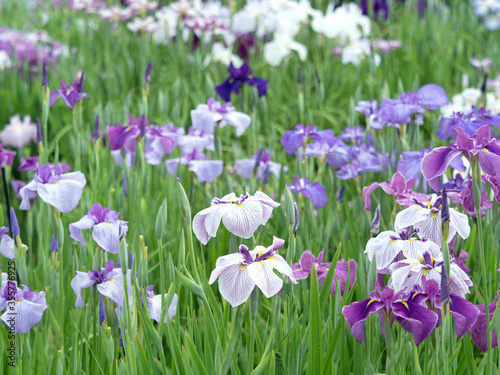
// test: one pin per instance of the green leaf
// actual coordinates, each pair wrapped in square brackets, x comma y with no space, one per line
[315,358]
[161,220]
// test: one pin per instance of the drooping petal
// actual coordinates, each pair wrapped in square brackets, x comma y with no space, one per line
[409,217]
[356,314]
[7,246]
[64,195]
[25,194]
[244,219]
[114,288]
[74,229]
[434,163]
[27,314]
[464,314]
[459,223]
[384,248]
[478,331]
[107,236]
[414,318]
[264,277]
[241,121]
[432,96]
[343,270]
[206,223]
[235,284]
[206,170]
[154,307]
[79,282]
[278,263]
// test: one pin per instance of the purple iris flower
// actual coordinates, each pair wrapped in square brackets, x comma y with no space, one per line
[107,231]
[495,185]
[239,273]
[481,144]
[32,164]
[260,164]
[27,307]
[238,77]
[312,190]
[478,331]
[302,270]
[109,283]
[204,169]
[469,122]
[206,117]
[465,198]
[373,113]
[6,243]
[398,186]
[336,153]
[293,139]
[380,7]
[63,191]
[154,305]
[399,111]
[365,159]
[413,317]
[70,94]
[196,140]
[17,185]
[6,157]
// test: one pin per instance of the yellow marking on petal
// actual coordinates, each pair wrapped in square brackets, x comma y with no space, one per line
[128,128]
[68,91]
[231,80]
[434,214]
[411,241]
[259,254]
[18,301]
[392,241]
[369,303]
[231,202]
[239,205]
[109,222]
[485,149]
[421,260]
[404,303]
[111,280]
[260,262]
[414,294]
[271,258]
[242,267]
[429,205]
[55,183]
[425,271]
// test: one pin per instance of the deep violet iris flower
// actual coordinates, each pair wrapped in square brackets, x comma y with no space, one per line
[481,145]
[413,317]
[478,331]
[302,270]
[239,273]
[237,78]
[107,231]
[312,190]
[63,191]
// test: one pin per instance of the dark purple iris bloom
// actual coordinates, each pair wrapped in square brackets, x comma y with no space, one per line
[413,317]
[28,307]
[6,157]
[469,122]
[32,164]
[245,43]
[238,77]
[495,185]
[465,198]
[293,139]
[314,191]
[481,145]
[125,136]
[109,282]
[398,186]
[70,94]
[380,7]
[107,231]
[478,331]
[302,270]
[399,111]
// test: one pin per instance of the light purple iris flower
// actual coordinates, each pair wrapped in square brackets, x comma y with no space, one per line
[6,157]
[373,114]
[478,331]
[206,117]
[70,94]
[398,186]
[482,145]
[241,216]
[365,159]
[239,273]
[25,310]
[196,140]
[154,305]
[293,139]
[302,270]
[32,164]
[408,272]
[160,141]
[336,153]
[426,217]
[63,191]
[260,163]
[107,231]
[412,316]
[204,169]
[388,246]
[6,243]
[312,190]
[469,122]
[399,111]
[109,283]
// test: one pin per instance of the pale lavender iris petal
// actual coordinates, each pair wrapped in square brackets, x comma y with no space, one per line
[172,165]
[74,229]
[243,221]
[432,96]
[206,170]
[244,167]
[409,217]
[7,246]
[280,264]
[267,205]
[154,307]
[114,287]
[204,120]
[240,121]
[459,223]
[63,195]
[107,236]
[384,248]
[79,282]
[26,193]
[206,223]
[28,314]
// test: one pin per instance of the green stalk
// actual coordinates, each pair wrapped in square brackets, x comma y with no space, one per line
[253,307]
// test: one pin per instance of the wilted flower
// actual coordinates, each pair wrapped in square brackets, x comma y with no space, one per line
[241,216]
[238,273]
[107,231]
[63,191]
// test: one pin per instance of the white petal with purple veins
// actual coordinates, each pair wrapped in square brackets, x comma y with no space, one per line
[80,279]
[24,193]
[264,277]
[235,284]
[244,219]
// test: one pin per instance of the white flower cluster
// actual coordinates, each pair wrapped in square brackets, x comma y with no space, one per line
[468,98]
[489,10]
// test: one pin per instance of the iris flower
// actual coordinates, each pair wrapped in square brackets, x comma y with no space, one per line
[107,231]
[239,273]
[312,190]
[63,191]
[261,164]
[205,170]
[6,243]
[293,139]
[70,94]
[154,305]
[241,216]
[238,77]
